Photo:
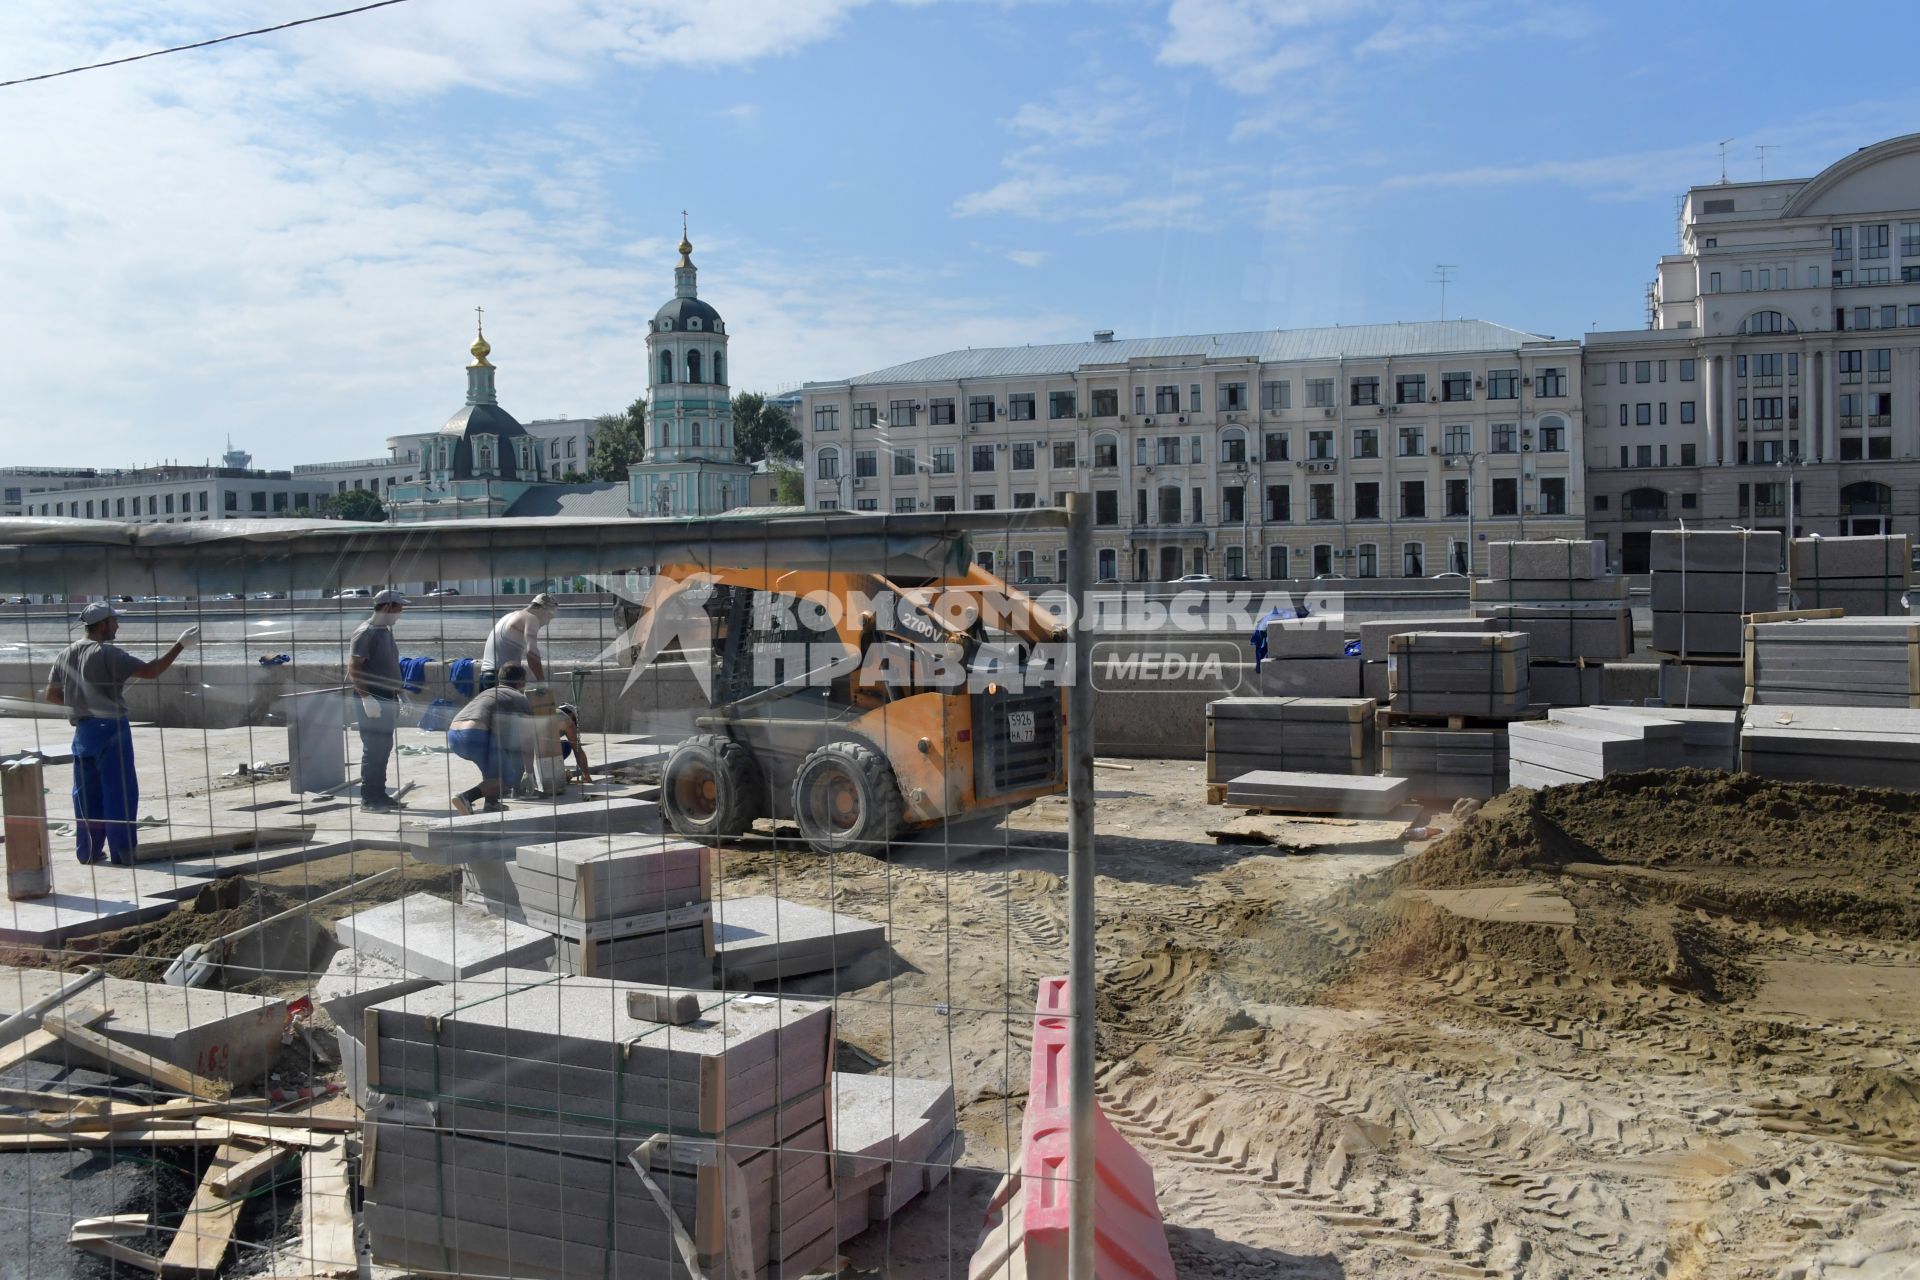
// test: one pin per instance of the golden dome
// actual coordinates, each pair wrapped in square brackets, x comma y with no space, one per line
[481,349]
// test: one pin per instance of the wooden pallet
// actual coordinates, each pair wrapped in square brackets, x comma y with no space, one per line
[1699,659]
[1406,720]
[1216,793]
[1791,615]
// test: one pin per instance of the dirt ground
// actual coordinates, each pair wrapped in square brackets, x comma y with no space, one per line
[1664,1025]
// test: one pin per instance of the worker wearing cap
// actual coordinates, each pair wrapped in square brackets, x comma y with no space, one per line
[89,679]
[373,668]
[512,640]
[570,744]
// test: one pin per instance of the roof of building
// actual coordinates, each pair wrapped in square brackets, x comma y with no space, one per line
[601,499]
[486,419]
[680,310]
[1353,342]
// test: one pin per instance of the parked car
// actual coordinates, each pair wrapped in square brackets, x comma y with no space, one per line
[1195,577]
[228,595]
[355,593]
[19,600]
[444,591]
[269,595]
[1451,574]
[1329,577]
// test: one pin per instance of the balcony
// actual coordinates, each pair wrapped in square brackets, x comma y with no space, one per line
[1879,422]
[1769,508]
[1656,511]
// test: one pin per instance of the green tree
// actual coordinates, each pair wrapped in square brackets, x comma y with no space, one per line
[619,441]
[354,504]
[762,430]
[791,486]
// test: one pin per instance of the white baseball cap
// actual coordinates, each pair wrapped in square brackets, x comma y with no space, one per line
[98,611]
[543,601]
[389,598]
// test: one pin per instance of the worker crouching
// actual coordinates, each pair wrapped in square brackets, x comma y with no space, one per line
[492,732]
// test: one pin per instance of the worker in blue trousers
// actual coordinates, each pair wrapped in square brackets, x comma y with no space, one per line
[89,679]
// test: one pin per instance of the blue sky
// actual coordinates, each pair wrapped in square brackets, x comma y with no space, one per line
[283,238]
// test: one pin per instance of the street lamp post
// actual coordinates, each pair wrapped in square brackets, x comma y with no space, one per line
[1472,457]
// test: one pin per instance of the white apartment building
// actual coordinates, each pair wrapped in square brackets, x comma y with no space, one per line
[1368,451]
[23,489]
[1784,349]
[181,495]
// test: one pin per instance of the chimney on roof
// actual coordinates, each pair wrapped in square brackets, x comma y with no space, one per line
[1103,335]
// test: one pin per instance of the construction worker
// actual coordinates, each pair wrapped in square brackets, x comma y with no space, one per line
[492,731]
[511,642]
[373,668]
[570,744]
[89,679]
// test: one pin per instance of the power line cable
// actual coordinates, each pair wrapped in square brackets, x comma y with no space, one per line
[202,44]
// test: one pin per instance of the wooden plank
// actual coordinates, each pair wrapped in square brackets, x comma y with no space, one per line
[231,1184]
[169,1133]
[201,1243]
[1792,615]
[328,1247]
[222,842]
[23,805]
[142,1066]
[61,1103]
[103,1236]
[35,1043]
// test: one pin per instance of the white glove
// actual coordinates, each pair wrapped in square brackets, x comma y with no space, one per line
[190,636]
[370,705]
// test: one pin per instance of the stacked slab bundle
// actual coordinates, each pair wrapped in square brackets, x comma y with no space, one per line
[1585,744]
[1674,737]
[1439,673]
[1316,735]
[1307,660]
[633,907]
[893,1139]
[1720,685]
[1834,662]
[1853,746]
[1374,637]
[1444,763]
[764,939]
[492,837]
[506,1114]
[1572,610]
[1704,581]
[1281,791]
[1866,576]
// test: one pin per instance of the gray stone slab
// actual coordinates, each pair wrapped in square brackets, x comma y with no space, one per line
[1373,682]
[498,835]
[355,981]
[1291,711]
[1317,793]
[222,1035]
[1575,749]
[1560,558]
[1568,632]
[1699,634]
[1714,593]
[1714,549]
[1835,720]
[1630,683]
[755,931]
[1702,684]
[1555,684]
[680,958]
[1539,776]
[1648,726]
[1311,677]
[639,924]
[880,1119]
[1305,638]
[1223,766]
[443,940]
[1526,590]
[51,920]
[1888,599]
[1883,556]
[1374,635]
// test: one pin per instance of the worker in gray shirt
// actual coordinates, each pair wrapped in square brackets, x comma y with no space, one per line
[373,668]
[512,642]
[89,679]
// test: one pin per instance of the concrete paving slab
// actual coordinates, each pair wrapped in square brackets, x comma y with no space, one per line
[1318,793]
[1714,549]
[1567,559]
[879,1119]
[218,1034]
[354,981]
[771,935]
[496,836]
[51,920]
[443,940]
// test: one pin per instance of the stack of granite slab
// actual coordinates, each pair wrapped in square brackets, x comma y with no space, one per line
[1674,737]
[492,837]
[1315,735]
[505,1117]
[1438,762]
[633,907]
[1852,746]
[893,1139]
[1278,791]
[1375,635]
[1573,611]
[1441,673]
[759,938]
[1549,753]
[1704,583]
[354,982]
[1866,576]
[1834,662]
[1306,659]
[1720,685]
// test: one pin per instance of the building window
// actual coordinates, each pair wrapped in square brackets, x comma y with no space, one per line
[1366,500]
[1106,403]
[1364,391]
[1020,408]
[1276,563]
[1140,455]
[943,502]
[1193,397]
[1642,414]
[1023,456]
[827,464]
[1413,499]
[1458,439]
[1275,396]
[1410,388]
[979,408]
[1456,497]
[232,502]
[825,418]
[1106,507]
[1713,282]
[1663,413]
[982,457]
[903,462]
[1233,446]
[1413,560]
[1279,446]
[1320,393]
[1550,382]
[1320,445]
[983,502]
[1413,442]
[1456,386]
[1233,504]
[903,413]
[1059,405]
[865,415]
[1503,437]
[256,501]
[1553,436]
[1643,371]
[903,506]
[940,412]
[1880,365]
[1140,400]
[1505,492]
[1553,496]
[693,366]
[1874,241]
[1503,384]
[1320,502]
[1022,502]
[1279,503]
[1065,454]
[1366,442]
[1233,397]
[1166,399]
[866,463]
[1109,565]
[1106,451]
[943,460]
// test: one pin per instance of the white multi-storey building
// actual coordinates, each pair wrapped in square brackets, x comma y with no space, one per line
[181,495]
[1784,349]
[1370,451]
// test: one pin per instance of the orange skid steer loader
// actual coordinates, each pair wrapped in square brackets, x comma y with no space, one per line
[860,707]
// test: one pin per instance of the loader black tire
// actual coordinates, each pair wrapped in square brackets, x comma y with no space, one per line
[711,789]
[846,800]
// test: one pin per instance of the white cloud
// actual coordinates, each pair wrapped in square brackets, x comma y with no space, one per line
[1028,257]
[743,112]
[1044,191]
[1248,44]
[1110,111]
